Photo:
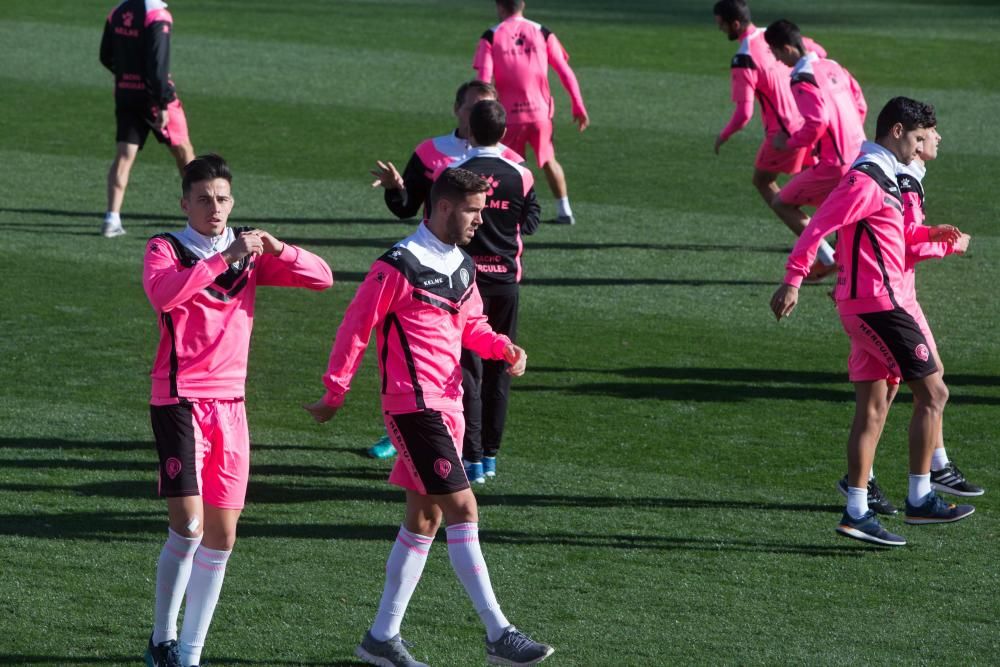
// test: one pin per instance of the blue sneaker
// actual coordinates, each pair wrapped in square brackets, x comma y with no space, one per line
[383,449]
[935,510]
[490,466]
[390,653]
[474,471]
[164,654]
[514,648]
[868,529]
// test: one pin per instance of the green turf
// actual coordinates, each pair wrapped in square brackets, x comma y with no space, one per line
[666,492]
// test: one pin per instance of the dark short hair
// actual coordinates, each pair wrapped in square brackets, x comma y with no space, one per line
[481,87]
[783,33]
[732,10]
[911,113]
[205,168]
[487,122]
[455,184]
[511,6]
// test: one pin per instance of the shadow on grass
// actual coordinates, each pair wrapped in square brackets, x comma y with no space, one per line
[179,218]
[147,445]
[137,526]
[49,660]
[734,385]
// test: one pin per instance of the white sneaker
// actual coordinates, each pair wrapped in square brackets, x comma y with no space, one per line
[112,228]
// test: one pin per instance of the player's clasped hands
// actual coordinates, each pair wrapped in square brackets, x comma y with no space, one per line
[253,242]
[946,234]
[386,176]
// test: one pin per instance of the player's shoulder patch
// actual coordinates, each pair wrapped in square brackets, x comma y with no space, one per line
[804,77]
[743,61]
[488,36]
[883,180]
[185,256]
[545,32]
[909,184]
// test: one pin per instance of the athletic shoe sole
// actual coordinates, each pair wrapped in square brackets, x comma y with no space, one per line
[955,492]
[918,520]
[856,534]
[372,659]
[497,660]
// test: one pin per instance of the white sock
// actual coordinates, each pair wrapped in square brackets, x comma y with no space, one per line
[112,217]
[920,488]
[825,253]
[562,205]
[172,573]
[468,563]
[202,595]
[402,572]
[940,459]
[857,502]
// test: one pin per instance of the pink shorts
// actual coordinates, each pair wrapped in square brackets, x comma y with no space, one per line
[537,135]
[204,449]
[430,451]
[772,160]
[811,186]
[176,131]
[889,345]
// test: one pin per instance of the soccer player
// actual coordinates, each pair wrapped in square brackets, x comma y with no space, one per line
[517,54]
[886,340]
[757,74]
[833,113]
[201,282]
[511,210]
[404,195]
[946,477]
[136,49]
[421,298]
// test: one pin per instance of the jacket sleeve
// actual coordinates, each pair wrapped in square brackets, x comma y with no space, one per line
[482,62]
[743,80]
[167,283]
[376,295]
[809,100]
[107,51]
[848,203]
[559,60]
[406,203]
[294,267]
[157,74]
[477,335]
[531,214]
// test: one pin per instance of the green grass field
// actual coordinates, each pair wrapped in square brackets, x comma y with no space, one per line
[666,493]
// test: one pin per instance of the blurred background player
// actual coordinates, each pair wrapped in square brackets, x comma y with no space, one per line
[833,112]
[421,299]
[135,47]
[511,210]
[202,283]
[946,477]
[757,75]
[404,195]
[516,53]
[886,340]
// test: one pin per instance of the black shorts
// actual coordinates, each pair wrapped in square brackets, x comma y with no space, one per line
[891,339]
[173,428]
[430,460]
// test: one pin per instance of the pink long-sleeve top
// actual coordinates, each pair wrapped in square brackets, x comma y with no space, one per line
[910,178]
[421,299]
[205,310]
[866,211]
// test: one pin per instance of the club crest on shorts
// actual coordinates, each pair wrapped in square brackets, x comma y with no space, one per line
[443,468]
[173,467]
[923,354]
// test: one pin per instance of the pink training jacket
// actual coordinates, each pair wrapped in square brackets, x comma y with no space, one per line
[421,298]
[910,179]
[833,110]
[866,211]
[517,53]
[757,75]
[205,310]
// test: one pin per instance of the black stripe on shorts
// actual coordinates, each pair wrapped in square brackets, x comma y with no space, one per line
[899,332]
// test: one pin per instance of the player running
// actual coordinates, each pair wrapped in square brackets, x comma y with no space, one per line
[421,299]
[946,477]
[511,210]
[135,47]
[517,53]
[866,208]
[202,282]
[833,114]
[757,75]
